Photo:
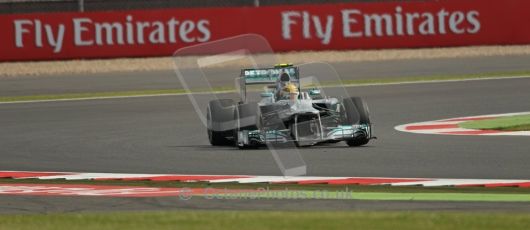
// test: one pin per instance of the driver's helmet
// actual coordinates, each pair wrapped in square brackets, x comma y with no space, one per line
[290,88]
[291,91]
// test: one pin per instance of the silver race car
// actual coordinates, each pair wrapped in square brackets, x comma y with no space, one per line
[285,113]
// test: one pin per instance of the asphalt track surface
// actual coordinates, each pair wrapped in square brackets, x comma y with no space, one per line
[164,135]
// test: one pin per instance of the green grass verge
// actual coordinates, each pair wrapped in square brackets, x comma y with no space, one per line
[261,220]
[511,123]
[117,94]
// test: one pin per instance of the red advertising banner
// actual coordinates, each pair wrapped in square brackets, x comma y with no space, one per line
[47,36]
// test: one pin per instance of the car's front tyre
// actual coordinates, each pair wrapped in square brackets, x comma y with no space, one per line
[220,123]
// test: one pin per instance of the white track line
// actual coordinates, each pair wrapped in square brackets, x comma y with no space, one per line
[91,176]
[274,179]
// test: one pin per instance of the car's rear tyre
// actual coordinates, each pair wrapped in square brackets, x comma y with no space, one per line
[246,118]
[220,122]
[356,112]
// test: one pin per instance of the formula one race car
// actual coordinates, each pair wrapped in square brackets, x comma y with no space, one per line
[284,113]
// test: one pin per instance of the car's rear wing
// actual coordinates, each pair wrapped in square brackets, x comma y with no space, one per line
[268,75]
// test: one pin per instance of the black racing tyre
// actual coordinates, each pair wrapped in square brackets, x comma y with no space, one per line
[356,112]
[357,142]
[246,117]
[220,121]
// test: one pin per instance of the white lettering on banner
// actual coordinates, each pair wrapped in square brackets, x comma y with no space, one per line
[323,33]
[19,30]
[441,20]
[454,22]
[88,32]
[410,22]
[202,26]
[427,25]
[171,24]
[347,20]
[186,28]
[130,30]
[287,22]
[140,31]
[399,21]
[472,18]
[356,24]
[306,29]
[79,29]
[55,40]
[378,22]
[157,35]
[38,33]
[114,30]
